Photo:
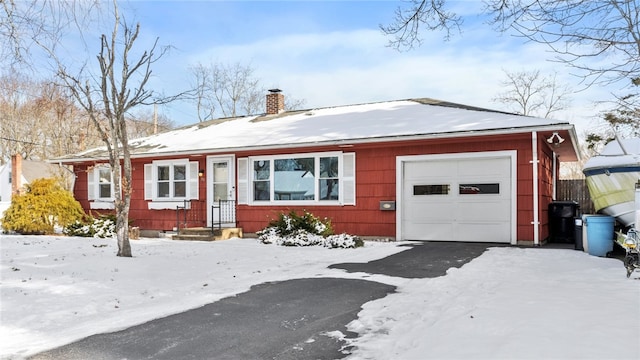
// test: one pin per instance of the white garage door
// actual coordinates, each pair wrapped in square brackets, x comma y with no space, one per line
[457,199]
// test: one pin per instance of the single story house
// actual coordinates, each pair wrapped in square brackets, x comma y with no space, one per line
[416,169]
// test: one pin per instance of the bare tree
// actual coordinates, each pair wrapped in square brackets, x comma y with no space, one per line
[579,32]
[106,99]
[226,90]
[230,90]
[531,94]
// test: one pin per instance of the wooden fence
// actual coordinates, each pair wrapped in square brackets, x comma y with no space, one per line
[575,190]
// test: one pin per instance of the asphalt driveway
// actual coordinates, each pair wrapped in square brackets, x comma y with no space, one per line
[282,320]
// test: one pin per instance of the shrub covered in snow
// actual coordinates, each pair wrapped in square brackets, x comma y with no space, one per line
[101,227]
[43,206]
[305,230]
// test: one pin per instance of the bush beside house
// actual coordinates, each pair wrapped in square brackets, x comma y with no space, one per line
[305,230]
[42,206]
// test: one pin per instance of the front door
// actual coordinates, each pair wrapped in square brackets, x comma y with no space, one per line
[220,189]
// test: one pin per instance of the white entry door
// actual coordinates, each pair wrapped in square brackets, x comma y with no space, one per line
[220,184]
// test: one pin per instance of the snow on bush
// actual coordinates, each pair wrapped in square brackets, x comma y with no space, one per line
[305,230]
[102,227]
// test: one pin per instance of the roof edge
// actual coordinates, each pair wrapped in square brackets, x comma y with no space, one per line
[503,131]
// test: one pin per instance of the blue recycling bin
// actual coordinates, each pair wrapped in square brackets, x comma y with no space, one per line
[600,234]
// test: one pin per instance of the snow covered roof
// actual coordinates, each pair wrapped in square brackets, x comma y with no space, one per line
[381,121]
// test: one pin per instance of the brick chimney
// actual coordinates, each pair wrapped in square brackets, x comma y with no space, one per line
[16,173]
[275,102]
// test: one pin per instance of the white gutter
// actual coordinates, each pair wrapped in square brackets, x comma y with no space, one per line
[554,178]
[534,163]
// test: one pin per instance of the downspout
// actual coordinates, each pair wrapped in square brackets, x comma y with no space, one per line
[534,164]
[554,178]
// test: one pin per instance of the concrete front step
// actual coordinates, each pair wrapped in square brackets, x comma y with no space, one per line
[205,234]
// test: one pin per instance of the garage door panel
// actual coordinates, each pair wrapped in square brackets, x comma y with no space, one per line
[432,210]
[483,232]
[441,231]
[432,169]
[489,211]
[484,167]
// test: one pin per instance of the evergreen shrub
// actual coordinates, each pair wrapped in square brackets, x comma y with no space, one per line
[305,230]
[103,226]
[43,206]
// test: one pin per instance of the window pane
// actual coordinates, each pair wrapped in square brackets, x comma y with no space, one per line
[220,192]
[472,189]
[104,183]
[104,176]
[261,191]
[329,189]
[105,191]
[179,172]
[180,189]
[163,173]
[261,170]
[163,189]
[294,179]
[220,172]
[431,189]
[329,167]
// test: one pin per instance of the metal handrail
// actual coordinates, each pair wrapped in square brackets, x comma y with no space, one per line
[226,210]
[184,212]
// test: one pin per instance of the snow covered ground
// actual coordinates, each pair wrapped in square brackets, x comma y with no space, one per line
[508,303]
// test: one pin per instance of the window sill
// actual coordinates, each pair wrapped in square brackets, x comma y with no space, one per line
[296,203]
[168,205]
[102,205]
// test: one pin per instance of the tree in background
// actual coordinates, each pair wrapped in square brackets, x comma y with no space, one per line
[230,90]
[531,94]
[40,120]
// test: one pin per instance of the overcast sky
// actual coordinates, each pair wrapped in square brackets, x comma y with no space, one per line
[333,53]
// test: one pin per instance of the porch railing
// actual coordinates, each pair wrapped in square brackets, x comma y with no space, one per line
[226,214]
[192,213]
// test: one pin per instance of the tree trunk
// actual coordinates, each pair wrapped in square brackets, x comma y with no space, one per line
[122,232]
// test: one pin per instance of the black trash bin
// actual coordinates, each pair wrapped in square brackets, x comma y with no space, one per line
[562,216]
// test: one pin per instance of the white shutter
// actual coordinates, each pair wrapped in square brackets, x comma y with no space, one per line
[348,179]
[91,184]
[193,180]
[148,182]
[243,181]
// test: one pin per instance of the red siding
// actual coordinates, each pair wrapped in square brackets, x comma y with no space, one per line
[375,182]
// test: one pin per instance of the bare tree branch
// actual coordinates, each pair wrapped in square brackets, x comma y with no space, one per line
[532,94]
[420,15]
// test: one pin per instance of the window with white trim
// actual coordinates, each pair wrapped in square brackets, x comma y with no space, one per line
[171,181]
[319,178]
[100,189]
[100,183]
